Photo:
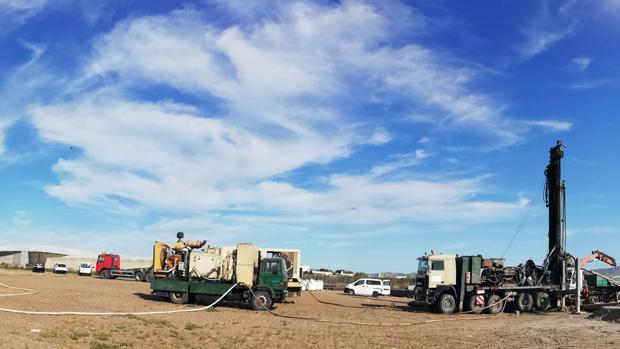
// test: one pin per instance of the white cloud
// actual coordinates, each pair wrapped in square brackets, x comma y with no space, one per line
[312,53]
[277,94]
[164,154]
[581,63]
[553,125]
[380,136]
[18,89]
[538,40]
[20,218]
[550,25]
[591,84]
[4,125]
[15,12]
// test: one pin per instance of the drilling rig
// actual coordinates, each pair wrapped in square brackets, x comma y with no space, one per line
[449,283]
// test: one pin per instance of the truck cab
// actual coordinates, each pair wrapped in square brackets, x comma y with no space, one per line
[107,262]
[273,275]
[436,275]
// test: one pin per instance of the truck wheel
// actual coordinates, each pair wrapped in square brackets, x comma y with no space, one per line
[375,294]
[447,303]
[473,307]
[495,304]
[524,302]
[261,300]
[351,293]
[105,274]
[138,276]
[542,301]
[148,276]
[179,297]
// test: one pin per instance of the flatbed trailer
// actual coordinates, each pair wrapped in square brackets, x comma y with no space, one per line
[138,274]
[184,291]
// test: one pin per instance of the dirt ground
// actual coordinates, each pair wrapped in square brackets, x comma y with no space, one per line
[228,326]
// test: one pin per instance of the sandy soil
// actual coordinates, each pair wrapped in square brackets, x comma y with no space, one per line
[231,327]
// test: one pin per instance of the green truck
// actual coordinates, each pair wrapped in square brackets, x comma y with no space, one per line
[185,271]
[600,288]
[449,283]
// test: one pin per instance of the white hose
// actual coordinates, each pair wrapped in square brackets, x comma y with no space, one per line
[81,313]
[28,291]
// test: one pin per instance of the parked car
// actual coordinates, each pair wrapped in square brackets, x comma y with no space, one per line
[85,269]
[38,268]
[60,268]
[368,287]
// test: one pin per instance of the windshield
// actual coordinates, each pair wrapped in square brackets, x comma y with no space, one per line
[84,266]
[422,265]
[61,265]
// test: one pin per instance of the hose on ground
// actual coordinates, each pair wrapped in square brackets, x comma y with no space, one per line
[377,324]
[362,307]
[27,291]
[82,313]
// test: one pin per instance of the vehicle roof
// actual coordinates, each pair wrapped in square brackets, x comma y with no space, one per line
[438,256]
[369,279]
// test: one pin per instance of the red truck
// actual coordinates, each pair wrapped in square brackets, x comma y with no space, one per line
[109,267]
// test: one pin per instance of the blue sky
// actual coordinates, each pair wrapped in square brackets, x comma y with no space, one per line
[363,133]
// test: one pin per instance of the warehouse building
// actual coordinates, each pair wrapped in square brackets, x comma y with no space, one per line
[25,259]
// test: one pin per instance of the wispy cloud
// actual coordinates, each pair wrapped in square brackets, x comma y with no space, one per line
[380,136]
[551,24]
[17,91]
[5,123]
[580,63]
[275,96]
[552,125]
[14,13]
[20,218]
[592,84]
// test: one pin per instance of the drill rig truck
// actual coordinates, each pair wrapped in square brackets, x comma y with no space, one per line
[451,283]
[186,270]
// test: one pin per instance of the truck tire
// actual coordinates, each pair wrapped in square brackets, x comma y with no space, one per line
[375,294]
[447,303]
[525,302]
[542,301]
[351,293]
[494,304]
[472,306]
[179,297]
[105,274]
[261,300]
[148,276]
[138,276]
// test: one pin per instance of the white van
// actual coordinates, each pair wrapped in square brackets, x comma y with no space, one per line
[86,269]
[368,287]
[60,268]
